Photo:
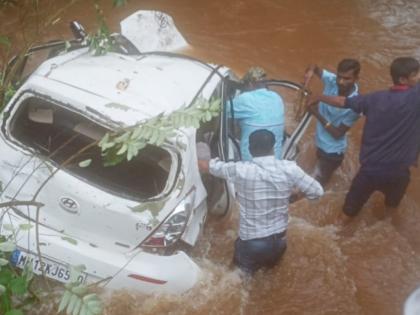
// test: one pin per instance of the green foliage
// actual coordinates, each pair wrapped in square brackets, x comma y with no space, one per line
[14,312]
[119,3]
[85,163]
[14,284]
[8,3]
[101,42]
[5,41]
[77,300]
[8,94]
[126,144]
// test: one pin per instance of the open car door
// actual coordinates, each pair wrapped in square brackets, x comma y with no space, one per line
[295,125]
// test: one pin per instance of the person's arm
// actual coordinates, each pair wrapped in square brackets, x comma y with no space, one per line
[203,166]
[305,183]
[309,73]
[215,167]
[335,101]
[336,132]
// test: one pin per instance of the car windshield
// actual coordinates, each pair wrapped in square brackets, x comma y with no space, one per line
[59,134]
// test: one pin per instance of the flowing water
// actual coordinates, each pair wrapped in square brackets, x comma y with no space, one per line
[368,267]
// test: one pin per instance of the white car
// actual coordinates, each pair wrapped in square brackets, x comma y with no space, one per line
[128,223]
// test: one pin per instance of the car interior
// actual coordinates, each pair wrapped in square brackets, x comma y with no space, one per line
[60,135]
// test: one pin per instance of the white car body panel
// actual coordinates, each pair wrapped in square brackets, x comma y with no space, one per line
[157,32]
[174,273]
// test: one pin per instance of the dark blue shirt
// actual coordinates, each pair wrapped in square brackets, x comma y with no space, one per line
[391,134]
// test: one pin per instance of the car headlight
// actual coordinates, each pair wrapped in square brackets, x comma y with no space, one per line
[172,228]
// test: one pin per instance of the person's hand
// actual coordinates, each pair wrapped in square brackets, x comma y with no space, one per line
[203,166]
[307,77]
[312,100]
[296,196]
[312,108]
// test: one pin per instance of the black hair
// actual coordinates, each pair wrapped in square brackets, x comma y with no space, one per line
[349,64]
[402,67]
[261,143]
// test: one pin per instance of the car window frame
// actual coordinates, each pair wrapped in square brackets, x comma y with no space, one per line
[13,109]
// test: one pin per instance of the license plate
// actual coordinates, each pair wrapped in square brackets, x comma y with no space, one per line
[52,269]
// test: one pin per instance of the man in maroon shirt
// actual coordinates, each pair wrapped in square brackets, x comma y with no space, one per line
[391,136]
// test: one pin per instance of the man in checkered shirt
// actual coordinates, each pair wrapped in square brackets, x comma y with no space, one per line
[263,187]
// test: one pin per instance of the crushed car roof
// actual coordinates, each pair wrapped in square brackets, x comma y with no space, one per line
[129,88]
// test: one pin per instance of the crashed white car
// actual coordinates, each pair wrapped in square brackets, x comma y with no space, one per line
[129,223]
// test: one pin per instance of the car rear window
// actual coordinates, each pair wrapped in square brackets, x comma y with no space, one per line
[60,134]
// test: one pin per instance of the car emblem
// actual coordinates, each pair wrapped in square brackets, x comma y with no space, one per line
[69,204]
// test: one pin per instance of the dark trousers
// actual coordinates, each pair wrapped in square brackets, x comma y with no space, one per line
[326,165]
[392,184]
[251,255]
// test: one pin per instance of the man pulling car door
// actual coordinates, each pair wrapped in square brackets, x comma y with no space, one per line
[263,187]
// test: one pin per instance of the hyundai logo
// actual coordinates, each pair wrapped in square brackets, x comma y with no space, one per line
[69,204]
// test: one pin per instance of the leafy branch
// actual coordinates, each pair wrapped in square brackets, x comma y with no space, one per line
[15,291]
[77,298]
[101,42]
[127,143]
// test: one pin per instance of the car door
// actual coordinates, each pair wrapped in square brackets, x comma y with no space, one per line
[297,119]
[219,195]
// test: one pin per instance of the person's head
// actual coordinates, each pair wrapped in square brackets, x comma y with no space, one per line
[347,75]
[405,70]
[253,78]
[261,143]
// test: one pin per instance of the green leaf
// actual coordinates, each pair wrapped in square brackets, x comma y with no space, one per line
[5,41]
[2,289]
[154,136]
[124,137]
[5,277]
[208,116]
[85,163]
[28,272]
[14,312]
[95,306]
[72,303]
[123,149]
[77,307]
[84,310]
[69,239]
[64,300]
[3,262]
[7,247]
[89,297]
[19,286]
[80,290]
[119,3]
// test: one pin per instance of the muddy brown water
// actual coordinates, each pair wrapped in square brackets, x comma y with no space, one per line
[369,267]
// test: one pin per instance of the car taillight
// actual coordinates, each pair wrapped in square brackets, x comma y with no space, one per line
[174,225]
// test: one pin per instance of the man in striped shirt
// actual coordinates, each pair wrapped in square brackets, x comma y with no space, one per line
[263,187]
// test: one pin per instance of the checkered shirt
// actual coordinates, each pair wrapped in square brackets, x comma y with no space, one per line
[263,187]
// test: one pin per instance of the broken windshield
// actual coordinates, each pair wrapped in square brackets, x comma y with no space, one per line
[59,134]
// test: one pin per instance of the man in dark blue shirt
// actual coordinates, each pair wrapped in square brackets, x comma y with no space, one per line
[390,140]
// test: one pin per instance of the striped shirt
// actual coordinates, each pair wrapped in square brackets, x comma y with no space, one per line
[263,187]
